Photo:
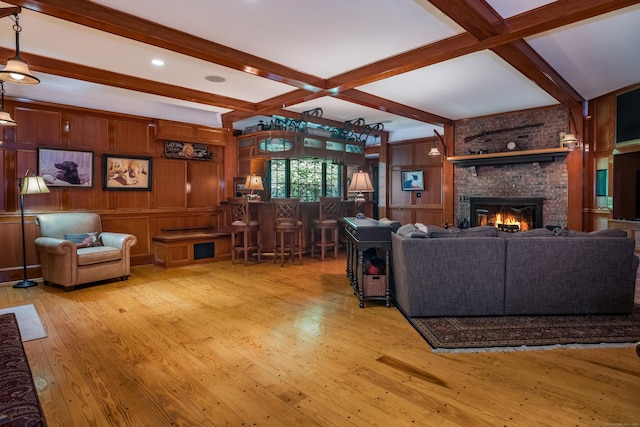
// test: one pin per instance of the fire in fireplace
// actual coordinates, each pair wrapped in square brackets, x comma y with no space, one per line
[507,214]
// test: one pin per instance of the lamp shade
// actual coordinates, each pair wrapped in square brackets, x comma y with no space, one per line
[17,71]
[253,182]
[434,151]
[569,138]
[33,185]
[5,119]
[361,182]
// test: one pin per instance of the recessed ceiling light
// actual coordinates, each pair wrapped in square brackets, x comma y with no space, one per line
[216,79]
[157,62]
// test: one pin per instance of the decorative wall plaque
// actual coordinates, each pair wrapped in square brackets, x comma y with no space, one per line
[186,150]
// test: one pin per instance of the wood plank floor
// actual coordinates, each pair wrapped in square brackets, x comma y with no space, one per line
[218,345]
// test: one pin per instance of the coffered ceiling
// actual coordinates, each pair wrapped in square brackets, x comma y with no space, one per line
[413,65]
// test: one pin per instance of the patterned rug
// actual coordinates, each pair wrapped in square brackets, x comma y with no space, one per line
[18,394]
[515,333]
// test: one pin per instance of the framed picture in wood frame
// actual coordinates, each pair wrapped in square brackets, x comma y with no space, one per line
[66,168]
[127,173]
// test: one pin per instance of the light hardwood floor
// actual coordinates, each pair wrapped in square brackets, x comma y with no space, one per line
[217,344]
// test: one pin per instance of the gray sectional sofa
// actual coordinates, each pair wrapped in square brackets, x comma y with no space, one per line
[481,272]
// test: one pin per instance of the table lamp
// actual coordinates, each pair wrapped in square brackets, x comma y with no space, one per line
[29,184]
[361,183]
[253,182]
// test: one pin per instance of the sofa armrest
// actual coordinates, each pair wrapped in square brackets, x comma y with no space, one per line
[448,277]
[55,246]
[117,240]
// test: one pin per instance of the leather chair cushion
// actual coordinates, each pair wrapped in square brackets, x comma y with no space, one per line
[98,254]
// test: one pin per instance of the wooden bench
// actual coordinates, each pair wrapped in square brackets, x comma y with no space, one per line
[176,247]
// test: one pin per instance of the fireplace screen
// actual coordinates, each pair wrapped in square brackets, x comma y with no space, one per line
[507,214]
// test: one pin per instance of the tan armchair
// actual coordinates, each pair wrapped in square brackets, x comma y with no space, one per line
[69,264]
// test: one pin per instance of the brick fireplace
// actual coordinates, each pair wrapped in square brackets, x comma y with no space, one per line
[544,180]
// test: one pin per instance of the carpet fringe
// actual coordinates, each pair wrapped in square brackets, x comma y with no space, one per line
[531,348]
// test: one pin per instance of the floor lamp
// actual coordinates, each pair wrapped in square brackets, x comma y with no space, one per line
[29,184]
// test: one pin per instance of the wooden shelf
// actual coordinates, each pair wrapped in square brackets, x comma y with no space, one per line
[509,157]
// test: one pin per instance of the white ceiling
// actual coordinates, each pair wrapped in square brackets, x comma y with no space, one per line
[324,39]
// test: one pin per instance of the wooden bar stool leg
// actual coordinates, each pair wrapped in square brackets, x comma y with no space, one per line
[245,237]
[259,240]
[313,241]
[233,247]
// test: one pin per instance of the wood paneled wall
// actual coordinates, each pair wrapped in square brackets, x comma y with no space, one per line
[600,131]
[426,206]
[184,193]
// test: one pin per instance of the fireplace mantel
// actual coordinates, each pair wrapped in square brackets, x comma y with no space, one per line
[509,157]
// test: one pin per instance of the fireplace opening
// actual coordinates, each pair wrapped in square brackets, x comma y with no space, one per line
[511,214]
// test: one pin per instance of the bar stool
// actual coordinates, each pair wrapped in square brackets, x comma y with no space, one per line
[326,222]
[242,230]
[288,228]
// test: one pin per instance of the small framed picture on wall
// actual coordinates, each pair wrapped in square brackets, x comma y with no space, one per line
[126,173]
[66,168]
[412,180]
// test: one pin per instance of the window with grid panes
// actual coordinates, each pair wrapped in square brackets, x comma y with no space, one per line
[307,179]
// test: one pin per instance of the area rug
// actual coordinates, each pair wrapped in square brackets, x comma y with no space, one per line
[28,321]
[517,333]
[19,400]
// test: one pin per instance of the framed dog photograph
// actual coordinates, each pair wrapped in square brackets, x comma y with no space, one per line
[66,168]
[126,173]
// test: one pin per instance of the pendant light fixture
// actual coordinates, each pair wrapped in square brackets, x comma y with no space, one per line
[17,70]
[5,117]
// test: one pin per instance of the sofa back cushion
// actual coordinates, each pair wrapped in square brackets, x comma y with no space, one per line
[60,224]
[555,275]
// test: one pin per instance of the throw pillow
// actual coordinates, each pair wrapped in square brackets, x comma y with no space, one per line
[536,232]
[83,240]
[419,235]
[481,231]
[406,230]
[434,231]
[608,232]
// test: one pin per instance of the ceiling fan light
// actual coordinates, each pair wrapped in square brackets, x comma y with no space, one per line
[17,71]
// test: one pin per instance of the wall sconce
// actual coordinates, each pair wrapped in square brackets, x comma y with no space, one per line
[569,140]
[434,150]
[360,183]
[5,117]
[253,182]
[17,70]
[29,184]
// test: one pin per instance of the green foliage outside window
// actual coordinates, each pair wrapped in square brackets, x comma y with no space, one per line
[307,179]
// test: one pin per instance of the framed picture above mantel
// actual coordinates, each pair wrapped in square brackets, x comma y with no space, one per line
[186,151]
